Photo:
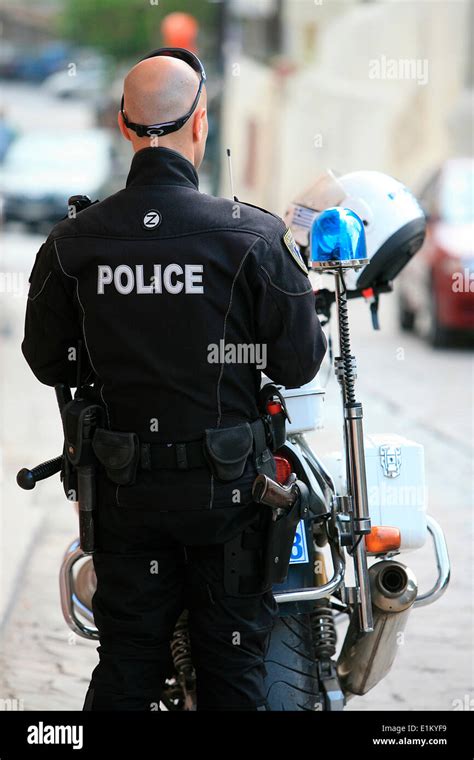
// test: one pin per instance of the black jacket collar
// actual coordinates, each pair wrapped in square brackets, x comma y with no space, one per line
[161,166]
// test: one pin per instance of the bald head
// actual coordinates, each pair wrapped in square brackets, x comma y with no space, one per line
[163,89]
[159,89]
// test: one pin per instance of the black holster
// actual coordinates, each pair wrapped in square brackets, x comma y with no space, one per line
[279,543]
[80,418]
[69,478]
[281,529]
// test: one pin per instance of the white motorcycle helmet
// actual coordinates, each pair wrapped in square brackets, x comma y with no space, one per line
[393,220]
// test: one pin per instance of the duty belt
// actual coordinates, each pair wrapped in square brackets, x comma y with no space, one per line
[171,456]
[190,455]
[224,451]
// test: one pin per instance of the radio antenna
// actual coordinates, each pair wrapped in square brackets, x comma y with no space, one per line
[231,175]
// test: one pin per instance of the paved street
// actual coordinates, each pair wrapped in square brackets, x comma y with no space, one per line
[406,387]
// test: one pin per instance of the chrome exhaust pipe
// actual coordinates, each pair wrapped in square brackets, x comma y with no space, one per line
[365,659]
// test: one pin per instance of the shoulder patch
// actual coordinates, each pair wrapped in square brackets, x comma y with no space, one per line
[292,247]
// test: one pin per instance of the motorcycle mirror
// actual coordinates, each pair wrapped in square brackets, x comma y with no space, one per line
[337,241]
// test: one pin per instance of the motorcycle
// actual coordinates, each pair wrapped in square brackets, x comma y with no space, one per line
[356,509]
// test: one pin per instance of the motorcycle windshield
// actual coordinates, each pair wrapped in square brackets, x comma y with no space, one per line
[325,192]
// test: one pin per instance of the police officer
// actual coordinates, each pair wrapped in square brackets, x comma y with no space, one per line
[179,300]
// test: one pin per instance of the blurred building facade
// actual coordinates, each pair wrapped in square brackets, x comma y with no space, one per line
[27,23]
[312,84]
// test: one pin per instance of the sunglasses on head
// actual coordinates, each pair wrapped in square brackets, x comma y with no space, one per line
[143,130]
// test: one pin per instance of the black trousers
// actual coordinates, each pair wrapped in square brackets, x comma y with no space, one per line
[146,576]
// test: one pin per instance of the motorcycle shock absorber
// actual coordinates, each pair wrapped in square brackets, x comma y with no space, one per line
[181,654]
[323,629]
[324,639]
[323,626]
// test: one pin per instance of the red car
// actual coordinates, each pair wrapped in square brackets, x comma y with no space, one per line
[436,289]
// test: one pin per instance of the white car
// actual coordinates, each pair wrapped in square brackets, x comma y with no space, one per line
[86,83]
[42,170]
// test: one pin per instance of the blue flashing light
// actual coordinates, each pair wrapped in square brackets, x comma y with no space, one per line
[338,240]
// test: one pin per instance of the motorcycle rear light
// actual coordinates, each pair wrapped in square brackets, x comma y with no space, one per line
[274,407]
[382,539]
[283,469]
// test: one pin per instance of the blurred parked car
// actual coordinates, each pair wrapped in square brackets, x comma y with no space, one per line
[9,57]
[42,170]
[34,65]
[85,76]
[436,289]
[86,83]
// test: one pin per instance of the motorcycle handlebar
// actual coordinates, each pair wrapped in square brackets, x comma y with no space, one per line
[27,479]
[325,298]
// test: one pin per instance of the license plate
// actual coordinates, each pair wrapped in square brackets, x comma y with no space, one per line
[299,550]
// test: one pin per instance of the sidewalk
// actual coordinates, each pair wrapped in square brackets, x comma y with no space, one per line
[43,664]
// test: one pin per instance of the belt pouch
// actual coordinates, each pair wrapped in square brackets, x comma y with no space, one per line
[118,453]
[227,450]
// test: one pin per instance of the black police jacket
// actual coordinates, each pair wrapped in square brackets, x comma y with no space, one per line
[180,300]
